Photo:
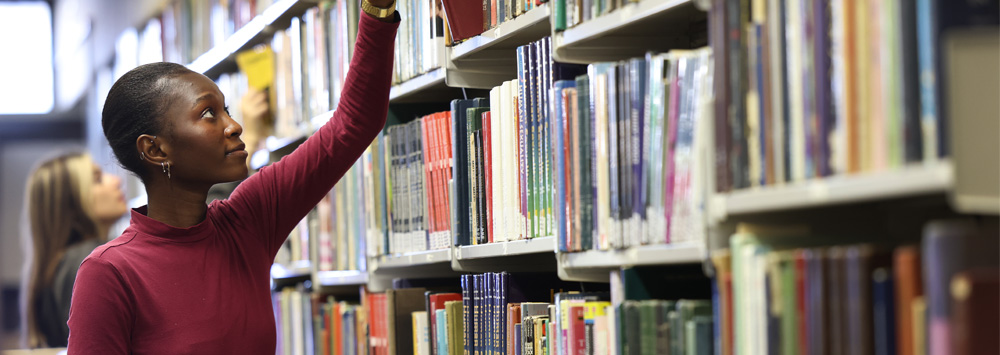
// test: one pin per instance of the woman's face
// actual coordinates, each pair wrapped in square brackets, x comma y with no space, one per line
[107,199]
[203,145]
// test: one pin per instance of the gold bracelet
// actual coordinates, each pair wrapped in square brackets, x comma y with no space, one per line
[378,12]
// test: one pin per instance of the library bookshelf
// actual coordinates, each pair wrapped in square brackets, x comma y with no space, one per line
[897,200]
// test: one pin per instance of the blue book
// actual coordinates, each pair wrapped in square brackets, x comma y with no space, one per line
[884,306]
[522,137]
[460,165]
[467,308]
[558,134]
[532,121]
[640,78]
[517,335]
[441,324]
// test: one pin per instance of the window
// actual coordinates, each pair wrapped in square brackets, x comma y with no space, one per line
[26,75]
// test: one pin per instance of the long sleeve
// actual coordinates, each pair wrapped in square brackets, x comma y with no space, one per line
[277,197]
[102,311]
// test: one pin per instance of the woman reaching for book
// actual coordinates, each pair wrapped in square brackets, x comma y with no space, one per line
[186,277]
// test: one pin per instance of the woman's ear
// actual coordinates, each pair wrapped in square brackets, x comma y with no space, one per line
[150,149]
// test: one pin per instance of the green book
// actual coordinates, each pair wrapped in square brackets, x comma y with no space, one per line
[559,16]
[648,319]
[455,327]
[583,170]
[686,311]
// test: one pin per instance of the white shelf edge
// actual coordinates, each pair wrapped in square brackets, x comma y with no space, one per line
[501,32]
[509,248]
[614,20]
[657,254]
[341,278]
[426,257]
[238,39]
[907,181]
[297,268]
[416,84]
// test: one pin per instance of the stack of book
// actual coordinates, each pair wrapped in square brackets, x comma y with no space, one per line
[631,151]
[781,292]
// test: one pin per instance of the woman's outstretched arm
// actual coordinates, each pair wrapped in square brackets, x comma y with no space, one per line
[278,196]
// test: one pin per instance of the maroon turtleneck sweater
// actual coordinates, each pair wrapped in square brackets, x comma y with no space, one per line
[205,289]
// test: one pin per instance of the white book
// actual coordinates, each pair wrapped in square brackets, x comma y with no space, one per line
[796,113]
[605,224]
[421,333]
[496,110]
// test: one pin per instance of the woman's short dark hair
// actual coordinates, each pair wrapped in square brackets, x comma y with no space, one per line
[134,106]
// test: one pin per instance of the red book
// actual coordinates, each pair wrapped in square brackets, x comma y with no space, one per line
[577,331]
[909,286]
[336,329]
[800,300]
[428,188]
[435,135]
[439,179]
[513,317]
[444,166]
[437,301]
[464,17]
[488,157]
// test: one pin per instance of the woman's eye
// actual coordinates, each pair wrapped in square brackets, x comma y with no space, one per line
[208,113]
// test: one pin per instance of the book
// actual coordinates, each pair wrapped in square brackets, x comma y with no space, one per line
[421,333]
[908,286]
[974,319]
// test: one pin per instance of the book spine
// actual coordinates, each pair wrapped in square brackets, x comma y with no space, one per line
[522,95]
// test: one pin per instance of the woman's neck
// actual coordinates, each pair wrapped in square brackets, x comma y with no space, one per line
[177,207]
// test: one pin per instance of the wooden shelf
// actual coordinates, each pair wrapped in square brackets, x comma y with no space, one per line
[627,32]
[909,181]
[222,58]
[595,265]
[489,59]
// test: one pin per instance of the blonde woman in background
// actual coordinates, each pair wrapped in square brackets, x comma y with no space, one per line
[70,205]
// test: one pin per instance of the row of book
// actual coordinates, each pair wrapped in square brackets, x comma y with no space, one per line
[569,13]
[491,313]
[808,89]
[420,40]
[417,179]
[467,19]
[191,28]
[333,235]
[780,292]
[310,324]
[311,59]
[631,151]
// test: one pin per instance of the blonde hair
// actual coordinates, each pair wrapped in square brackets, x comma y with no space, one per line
[59,215]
